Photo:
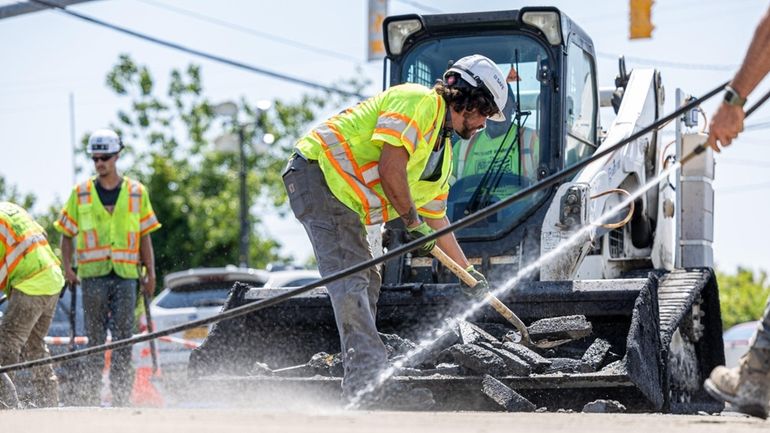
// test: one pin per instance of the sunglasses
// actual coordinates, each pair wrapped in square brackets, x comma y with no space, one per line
[103,158]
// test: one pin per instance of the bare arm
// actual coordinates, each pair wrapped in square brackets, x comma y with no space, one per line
[756,64]
[727,122]
[147,255]
[395,184]
[448,242]
[66,259]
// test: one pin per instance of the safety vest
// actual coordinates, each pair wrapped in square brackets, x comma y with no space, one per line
[348,148]
[474,156]
[105,241]
[27,262]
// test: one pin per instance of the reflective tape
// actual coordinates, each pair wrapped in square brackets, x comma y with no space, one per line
[14,255]
[135,196]
[148,223]
[84,192]
[341,157]
[125,256]
[68,224]
[7,236]
[93,255]
[400,126]
[435,207]
[91,239]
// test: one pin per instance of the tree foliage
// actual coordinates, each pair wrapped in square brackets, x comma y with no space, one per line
[742,295]
[194,188]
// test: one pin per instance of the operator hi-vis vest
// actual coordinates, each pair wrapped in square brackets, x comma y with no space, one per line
[27,262]
[474,156]
[105,241]
[348,147]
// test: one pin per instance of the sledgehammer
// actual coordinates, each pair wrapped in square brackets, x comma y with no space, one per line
[504,311]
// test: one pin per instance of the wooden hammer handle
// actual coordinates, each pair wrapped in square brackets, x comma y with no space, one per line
[490,298]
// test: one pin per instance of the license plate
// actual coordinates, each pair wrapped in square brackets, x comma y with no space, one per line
[196,333]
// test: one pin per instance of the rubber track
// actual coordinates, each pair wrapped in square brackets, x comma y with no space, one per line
[677,292]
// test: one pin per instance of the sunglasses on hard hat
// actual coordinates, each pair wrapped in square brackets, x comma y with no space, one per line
[103,158]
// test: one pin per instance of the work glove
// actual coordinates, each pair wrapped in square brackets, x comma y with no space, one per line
[417,232]
[480,289]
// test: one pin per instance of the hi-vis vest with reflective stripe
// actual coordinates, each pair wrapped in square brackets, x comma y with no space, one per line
[108,241]
[348,148]
[27,262]
[474,156]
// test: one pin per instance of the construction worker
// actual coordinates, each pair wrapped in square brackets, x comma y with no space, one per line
[112,218]
[489,150]
[31,280]
[746,387]
[388,157]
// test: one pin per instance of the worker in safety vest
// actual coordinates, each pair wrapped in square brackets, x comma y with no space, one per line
[487,150]
[745,387]
[388,157]
[111,218]
[31,280]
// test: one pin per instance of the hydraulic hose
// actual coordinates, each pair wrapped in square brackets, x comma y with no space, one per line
[464,222]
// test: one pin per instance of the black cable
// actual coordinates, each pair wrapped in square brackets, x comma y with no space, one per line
[464,222]
[244,29]
[199,53]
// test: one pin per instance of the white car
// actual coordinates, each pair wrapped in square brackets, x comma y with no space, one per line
[191,295]
[736,341]
[291,278]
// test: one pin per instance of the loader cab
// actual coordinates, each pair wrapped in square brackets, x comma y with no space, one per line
[551,113]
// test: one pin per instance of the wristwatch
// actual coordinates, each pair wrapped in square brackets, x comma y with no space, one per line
[733,98]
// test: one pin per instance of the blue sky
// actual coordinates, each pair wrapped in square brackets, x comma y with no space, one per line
[48,55]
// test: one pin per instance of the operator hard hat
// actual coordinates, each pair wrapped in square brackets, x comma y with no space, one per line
[104,141]
[479,71]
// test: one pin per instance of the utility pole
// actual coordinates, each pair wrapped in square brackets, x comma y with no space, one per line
[73,140]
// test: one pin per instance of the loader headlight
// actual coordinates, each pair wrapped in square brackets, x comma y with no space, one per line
[547,22]
[398,31]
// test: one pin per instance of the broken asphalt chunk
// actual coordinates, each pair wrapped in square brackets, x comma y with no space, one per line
[560,328]
[505,397]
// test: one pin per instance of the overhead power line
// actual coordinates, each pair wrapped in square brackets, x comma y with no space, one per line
[676,65]
[199,53]
[253,32]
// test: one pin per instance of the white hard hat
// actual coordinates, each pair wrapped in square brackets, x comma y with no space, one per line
[478,70]
[104,141]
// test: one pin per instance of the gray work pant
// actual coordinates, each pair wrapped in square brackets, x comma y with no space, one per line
[761,339]
[339,241]
[22,337]
[109,302]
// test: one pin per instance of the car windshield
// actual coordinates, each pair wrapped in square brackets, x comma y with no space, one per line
[504,157]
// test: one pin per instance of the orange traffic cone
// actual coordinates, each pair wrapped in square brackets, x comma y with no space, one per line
[144,392]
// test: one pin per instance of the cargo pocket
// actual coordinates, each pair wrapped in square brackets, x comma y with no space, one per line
[296,184]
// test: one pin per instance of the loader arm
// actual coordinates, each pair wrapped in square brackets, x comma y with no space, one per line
[578,203]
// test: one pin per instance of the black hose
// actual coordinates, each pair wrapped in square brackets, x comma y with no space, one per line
[464,222]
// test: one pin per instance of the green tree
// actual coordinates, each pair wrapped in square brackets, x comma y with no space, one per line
[194,189]
[742,296]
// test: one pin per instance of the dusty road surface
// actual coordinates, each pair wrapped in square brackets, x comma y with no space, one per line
[93,420]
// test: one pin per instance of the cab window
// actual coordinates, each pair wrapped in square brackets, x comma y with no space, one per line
[580,107]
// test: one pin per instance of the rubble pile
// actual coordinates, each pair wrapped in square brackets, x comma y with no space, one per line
[468,349]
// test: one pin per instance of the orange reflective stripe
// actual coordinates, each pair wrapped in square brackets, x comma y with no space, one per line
[15,254]
[68,224]
[84,192]
[135,196]
[148,223]
[347,179]
[401,126]
[7,235]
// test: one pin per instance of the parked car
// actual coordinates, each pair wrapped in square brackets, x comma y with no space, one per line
[736,341]
[191,295]
[291,278]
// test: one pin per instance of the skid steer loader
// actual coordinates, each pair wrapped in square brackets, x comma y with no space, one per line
[643,280]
